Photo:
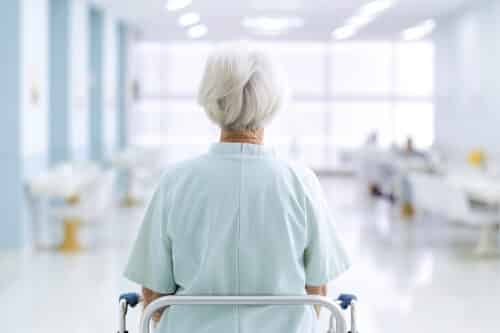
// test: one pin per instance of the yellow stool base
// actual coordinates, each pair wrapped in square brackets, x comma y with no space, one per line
[407,210]
[129,201]
[71,243]
[73,199]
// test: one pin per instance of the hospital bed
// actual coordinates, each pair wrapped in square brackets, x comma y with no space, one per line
[338,322]
[445,197]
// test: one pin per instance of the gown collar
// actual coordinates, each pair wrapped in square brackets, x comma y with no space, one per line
[241,148]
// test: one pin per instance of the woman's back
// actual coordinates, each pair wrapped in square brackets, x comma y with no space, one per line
[236,221]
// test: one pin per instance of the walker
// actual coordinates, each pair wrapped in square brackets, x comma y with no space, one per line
[337,323]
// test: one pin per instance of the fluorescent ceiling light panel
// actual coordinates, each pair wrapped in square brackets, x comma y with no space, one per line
[175,5]
[376,7]
[365,16]
[189,19]
[344,32]
[420,31]
[197,31]
[272,25]
[360,21]
[275,5]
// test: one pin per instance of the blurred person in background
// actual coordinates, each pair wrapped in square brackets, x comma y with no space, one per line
[372,140]
[237,220]
[409,149]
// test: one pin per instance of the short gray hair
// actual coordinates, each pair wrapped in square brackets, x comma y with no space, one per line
[242,88]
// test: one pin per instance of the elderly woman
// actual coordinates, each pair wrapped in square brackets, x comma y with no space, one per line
[237,220]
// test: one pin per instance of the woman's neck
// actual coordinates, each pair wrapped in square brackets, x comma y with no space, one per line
[243,136]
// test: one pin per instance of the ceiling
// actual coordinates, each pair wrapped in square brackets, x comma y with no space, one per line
[223,17]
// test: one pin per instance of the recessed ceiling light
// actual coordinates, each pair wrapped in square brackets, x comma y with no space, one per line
[197,31]
[188,19]
[420,31]
[272,25]
[376,7]
[174,5]
[344,32]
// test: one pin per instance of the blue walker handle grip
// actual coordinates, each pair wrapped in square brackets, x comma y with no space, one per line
[346,300]
[132,299]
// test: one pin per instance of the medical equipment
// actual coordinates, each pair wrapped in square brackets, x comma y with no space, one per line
[337,324]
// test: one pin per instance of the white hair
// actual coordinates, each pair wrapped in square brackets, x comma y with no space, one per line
[242,88]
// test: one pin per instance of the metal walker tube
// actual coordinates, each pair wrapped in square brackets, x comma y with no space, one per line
[337,321]
[123,316]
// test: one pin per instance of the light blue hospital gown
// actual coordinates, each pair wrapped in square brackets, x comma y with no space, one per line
[237,221]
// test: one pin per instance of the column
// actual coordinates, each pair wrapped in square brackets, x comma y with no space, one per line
[122,86]
[80,81]
[59,80]
[96,86]
[10,145]
[110,83]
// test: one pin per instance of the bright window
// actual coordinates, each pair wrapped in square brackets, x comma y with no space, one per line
[413,73]
[352,122]
[184,119]
[151,69]
[415,120]
[185,64]
[296,138]
[304,65]
[361,69]
[342,93]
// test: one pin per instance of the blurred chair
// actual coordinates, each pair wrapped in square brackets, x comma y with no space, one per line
[434,195]
[147,173]
[142,169]
[91,210]
[33,205]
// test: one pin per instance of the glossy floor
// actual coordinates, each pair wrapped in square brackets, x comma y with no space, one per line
[415,276]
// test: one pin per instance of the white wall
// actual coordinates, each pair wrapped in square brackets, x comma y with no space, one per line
[80,81]
[468,79]
[34,85]
[34,94]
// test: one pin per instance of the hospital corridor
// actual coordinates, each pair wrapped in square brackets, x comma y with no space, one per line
[246,160]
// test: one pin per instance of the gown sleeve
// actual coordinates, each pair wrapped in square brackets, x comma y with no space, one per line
[324,258]
[150,263]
